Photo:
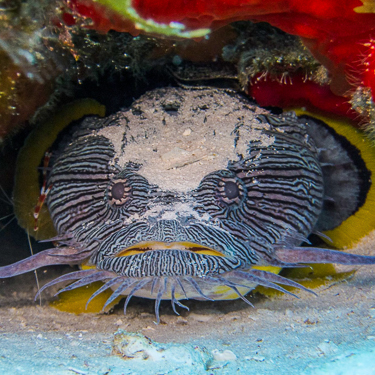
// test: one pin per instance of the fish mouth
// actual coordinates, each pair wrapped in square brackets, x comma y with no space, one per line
[149,246]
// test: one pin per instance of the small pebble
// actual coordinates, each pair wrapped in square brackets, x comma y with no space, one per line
[148,328]
[200,317]
[226,355]
[327,347]
[258,358]
[180,320]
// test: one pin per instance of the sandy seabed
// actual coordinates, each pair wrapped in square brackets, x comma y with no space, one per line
[333,333]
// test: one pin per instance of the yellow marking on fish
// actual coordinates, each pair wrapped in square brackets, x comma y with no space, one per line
[156,245]
[74,301]
[26,184]
[224,292]
[362,222]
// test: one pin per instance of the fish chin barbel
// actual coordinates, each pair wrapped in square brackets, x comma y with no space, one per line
[186,192]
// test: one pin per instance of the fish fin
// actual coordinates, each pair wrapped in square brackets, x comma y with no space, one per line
[49,257]
[318,255]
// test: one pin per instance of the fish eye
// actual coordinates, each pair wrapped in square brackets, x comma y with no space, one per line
[119,193]
[221,190]
[231,190]
[118,190]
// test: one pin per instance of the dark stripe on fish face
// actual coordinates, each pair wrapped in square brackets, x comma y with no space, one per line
[268,196]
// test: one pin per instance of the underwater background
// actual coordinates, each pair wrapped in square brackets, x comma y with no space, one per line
[315,59]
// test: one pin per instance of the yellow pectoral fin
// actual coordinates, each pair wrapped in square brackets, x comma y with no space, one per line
[362,222]
[74,301]
[26,184]
[272,269]
[311,276]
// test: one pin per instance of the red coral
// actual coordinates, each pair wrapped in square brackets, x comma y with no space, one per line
[300,93]
[369,64]
[335,31]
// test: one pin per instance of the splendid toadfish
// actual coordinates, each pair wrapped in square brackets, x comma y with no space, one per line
[187,193]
